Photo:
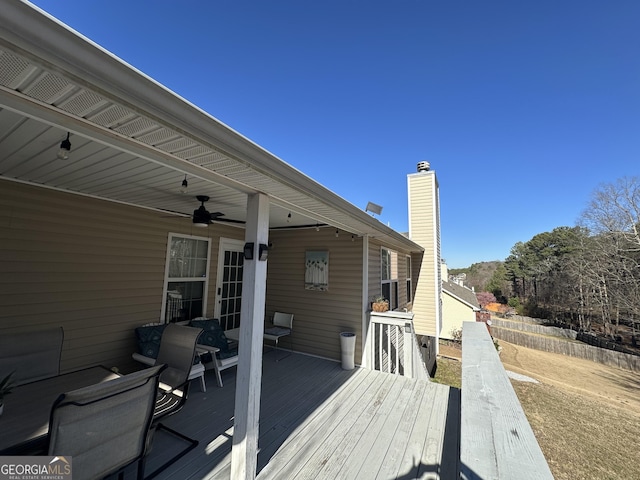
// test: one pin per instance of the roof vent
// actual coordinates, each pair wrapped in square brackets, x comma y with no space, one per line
[423,166]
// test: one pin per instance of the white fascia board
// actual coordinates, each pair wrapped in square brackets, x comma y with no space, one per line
[461,300]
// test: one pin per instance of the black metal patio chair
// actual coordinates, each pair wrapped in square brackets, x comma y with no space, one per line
[177,352]
[104,427]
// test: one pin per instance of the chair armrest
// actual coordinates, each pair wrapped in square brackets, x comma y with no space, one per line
[200,348]
[142,359]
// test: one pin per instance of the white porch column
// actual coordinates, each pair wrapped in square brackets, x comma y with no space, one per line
[249,374]
[365,301]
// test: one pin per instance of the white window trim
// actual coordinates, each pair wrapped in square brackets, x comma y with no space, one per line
[409,283]
[390,280]
[167,279]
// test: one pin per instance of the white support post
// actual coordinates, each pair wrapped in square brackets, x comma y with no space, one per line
[366,326]
[244,454]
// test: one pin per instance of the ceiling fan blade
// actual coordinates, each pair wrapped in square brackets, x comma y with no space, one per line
[229,220]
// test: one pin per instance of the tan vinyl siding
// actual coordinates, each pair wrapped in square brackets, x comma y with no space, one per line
[454,312]
[94,267]
[425,230]
[319,317]
[375,273]
[375,269]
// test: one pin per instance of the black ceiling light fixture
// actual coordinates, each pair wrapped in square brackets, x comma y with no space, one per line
[201,217]
[184,188]
[65,148]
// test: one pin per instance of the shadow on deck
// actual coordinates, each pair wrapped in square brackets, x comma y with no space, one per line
[319,421]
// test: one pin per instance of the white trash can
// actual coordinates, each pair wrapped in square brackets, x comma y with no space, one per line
[348,349]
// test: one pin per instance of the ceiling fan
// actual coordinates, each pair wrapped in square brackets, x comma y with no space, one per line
[201,217]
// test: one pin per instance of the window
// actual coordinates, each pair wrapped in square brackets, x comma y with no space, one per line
[186,278]
[389,275]
[408,278]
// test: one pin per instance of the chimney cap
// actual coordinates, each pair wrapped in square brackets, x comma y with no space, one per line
[423,166]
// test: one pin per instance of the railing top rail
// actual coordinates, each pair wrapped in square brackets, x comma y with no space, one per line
[393,314]
[391,318]
[496,439]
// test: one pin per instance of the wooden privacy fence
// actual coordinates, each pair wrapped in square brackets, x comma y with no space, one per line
[533,328]
[391,345]
[568,347]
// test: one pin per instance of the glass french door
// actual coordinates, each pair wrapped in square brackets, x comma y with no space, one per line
[229,283]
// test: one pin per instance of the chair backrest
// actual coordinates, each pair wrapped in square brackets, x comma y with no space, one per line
[31,355]
[177,351]
[104,427]
[283,320]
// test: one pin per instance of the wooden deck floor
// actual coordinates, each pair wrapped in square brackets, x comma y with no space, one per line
[318,421]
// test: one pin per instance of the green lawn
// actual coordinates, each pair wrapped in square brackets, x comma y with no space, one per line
[448,372]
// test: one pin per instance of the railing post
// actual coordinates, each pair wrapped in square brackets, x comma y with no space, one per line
[407,347]
[366,353]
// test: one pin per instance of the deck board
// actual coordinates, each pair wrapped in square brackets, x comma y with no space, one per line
[346,427]
[383,429]
[313,437]
[393,461]
[319,421]
[331,454]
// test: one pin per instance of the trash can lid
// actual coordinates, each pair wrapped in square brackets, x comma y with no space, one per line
[347,334]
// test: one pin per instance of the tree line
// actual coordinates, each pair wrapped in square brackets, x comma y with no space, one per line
[587,275]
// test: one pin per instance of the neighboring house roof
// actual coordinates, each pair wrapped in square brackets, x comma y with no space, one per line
[133,140]
[462,294]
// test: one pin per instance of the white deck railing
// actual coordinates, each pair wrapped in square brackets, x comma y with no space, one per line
[391,345]
[496,440]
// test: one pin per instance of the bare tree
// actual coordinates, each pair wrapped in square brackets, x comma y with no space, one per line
[615,209]
[613,216]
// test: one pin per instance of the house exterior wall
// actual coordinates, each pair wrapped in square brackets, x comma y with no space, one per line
[319,317]
[424,229]
[97,269]
[454,312]
[375,273]
[94,267]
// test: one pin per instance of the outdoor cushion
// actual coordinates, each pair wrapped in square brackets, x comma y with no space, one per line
[149,339]
[214,336]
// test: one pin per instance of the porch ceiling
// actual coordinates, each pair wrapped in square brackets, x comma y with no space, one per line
[133,140]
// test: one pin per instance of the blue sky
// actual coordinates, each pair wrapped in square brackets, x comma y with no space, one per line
[522,108]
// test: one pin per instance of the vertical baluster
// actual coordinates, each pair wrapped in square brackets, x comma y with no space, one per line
[380,347]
